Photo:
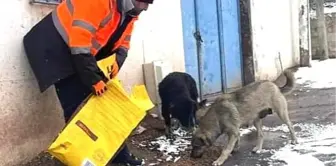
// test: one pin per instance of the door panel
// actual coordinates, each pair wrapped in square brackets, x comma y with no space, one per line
[190,48]
[231,61]
[210,66]
[212,44]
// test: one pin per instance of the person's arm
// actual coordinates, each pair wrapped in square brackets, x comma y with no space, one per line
[87,16]
[121,52]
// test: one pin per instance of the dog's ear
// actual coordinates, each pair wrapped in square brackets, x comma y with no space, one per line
[206,140]
[209,142]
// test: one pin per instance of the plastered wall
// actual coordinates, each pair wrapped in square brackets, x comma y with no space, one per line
[275,31]
[29,121]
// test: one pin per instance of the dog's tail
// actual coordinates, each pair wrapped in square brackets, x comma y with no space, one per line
[290,82]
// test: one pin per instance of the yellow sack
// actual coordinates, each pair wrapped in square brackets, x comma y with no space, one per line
[101,126]
[106,63]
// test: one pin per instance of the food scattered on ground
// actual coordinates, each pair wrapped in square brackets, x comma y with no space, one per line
[169,148]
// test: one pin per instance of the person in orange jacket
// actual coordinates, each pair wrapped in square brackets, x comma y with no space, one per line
[64,47]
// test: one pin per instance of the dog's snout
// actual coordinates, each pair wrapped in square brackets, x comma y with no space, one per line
[196,153]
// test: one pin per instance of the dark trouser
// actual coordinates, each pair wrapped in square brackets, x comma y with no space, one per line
[71,93]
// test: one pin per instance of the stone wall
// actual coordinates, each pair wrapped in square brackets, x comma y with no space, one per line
[330,19]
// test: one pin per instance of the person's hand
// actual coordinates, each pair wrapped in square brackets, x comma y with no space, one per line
[113,69]
[99,88]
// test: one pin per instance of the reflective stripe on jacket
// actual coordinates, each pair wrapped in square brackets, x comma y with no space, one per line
[86,25]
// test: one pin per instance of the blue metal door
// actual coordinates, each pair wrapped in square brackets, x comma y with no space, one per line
[212,44]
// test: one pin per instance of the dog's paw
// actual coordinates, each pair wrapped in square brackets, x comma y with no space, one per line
[256,150]
[218,162]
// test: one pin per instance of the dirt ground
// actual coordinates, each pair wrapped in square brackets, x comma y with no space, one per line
[305,105]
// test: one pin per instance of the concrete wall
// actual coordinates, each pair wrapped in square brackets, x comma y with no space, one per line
[29,121]
[330,20]
[304,30]
[157,36]
[275,31]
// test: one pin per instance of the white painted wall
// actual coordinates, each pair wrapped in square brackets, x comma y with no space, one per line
[29,121]
[275,29]
[158,35]
[304,27]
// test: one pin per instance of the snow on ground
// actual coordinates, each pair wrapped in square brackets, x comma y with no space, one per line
[317,147]
[320,75]
[172,148]
[244,131]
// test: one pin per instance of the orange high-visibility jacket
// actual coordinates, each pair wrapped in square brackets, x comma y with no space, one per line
[86,25]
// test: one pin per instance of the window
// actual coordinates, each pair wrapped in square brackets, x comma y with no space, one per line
[49,2]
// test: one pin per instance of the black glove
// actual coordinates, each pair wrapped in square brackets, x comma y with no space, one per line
[87,69]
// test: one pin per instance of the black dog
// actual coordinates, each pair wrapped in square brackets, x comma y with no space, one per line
[178,93]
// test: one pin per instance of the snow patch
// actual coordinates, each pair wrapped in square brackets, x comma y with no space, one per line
[317,76]
[283,127]
[295,159]
[245,131]
[314,141]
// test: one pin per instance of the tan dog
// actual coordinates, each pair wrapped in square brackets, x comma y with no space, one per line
[245,106]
